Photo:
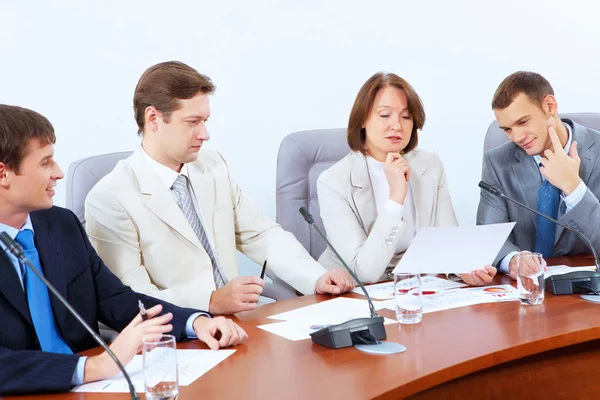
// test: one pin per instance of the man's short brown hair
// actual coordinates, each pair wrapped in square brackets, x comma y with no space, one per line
[163,85]
[535,86]
[18,126]
[364,102]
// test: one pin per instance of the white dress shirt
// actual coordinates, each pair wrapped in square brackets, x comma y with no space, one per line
[381,192]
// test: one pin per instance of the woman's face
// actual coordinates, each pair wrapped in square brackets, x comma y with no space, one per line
[389,125]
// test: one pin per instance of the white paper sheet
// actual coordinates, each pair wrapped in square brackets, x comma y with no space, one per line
[455,298]
[456,249]
[385,290]
[297,330]
[328,312]
[563,269]
[191,365]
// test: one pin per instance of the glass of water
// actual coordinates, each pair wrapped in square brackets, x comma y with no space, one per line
[530,278]
[160,368]
[407,298]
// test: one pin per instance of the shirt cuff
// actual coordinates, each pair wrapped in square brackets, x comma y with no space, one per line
[393,207]
[189,326]
[575,197]
[504,264]
[77,378]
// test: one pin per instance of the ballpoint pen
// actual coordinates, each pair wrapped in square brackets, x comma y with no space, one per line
[264,268]
[143,311]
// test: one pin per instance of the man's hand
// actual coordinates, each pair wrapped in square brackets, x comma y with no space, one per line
[479,277]
[240,294]
[529,267]
[336,281]
[128,344]
[397,173]
[560,169]
[219,332]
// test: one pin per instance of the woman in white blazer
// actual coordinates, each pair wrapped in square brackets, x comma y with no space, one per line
[373,200]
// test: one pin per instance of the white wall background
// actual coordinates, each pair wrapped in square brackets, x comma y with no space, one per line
[283,66]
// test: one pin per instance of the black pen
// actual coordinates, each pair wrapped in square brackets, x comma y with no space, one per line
[262,273]
[143,311]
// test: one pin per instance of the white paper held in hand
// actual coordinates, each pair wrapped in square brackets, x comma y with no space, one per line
[454,249]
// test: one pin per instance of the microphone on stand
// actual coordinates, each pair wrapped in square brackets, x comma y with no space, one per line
[571,282]
[364,333]
[17,250]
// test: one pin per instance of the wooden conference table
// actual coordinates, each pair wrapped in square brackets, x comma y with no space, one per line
[500,350]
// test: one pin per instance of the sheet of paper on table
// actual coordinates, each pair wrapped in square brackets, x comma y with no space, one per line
[385,290]
[564,269]
[454,298]
[298,324]
[454,249]
[191,365]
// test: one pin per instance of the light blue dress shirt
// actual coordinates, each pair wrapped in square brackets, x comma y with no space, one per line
[79,370]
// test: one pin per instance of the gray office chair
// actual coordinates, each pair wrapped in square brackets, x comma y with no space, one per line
[495,136]
[85,173]
[302,157]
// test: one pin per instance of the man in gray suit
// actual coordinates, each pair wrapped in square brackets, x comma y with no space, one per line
[548,165]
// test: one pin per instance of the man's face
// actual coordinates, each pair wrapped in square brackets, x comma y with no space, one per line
[526,123]
[32,188]
[179,140]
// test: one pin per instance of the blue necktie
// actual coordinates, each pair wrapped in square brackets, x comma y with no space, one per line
[548,198]
[39,300]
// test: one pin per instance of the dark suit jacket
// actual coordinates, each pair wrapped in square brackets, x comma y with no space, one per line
[509,168]
[71,264]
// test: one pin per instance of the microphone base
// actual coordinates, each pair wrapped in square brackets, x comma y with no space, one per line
[381,348]
[573,282]
[349,333]
[591,297]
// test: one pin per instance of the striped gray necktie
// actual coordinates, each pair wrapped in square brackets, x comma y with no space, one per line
[184,200]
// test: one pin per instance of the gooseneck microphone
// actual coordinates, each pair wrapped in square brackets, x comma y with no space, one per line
[17,250]
[364,333]
[569,283]
[311,221]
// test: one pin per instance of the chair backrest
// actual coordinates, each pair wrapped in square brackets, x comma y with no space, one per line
[84,174]
[302,157]
[495,137]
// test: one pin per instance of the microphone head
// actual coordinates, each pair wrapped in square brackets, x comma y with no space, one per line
[489,188]
[307,216]
[11,245]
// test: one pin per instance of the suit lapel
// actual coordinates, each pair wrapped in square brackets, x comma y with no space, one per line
[362,192]
[422,189]
[53,264]
[523,169]
[160,201]
[10,287]
[203,184]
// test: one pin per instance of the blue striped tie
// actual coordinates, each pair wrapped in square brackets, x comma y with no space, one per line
[38,297]
[548,199]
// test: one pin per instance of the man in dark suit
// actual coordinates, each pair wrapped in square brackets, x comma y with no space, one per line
[550,164]
[38,337]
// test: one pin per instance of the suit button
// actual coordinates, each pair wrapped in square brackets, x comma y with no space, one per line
[389,241]
[395,230]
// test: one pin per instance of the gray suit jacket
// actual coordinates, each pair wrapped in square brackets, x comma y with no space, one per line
[510,169]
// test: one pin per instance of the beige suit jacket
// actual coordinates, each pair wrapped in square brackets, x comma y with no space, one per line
[140,232]
[365,240]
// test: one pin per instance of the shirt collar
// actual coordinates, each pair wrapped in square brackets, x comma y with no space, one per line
[13,232]
[538,158]
[167,175]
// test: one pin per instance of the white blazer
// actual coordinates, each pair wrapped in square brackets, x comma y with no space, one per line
[138,229]
[365,240]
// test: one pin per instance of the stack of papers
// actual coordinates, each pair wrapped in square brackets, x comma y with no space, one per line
[429,285]
[455,298]
[191,365]
[298,324]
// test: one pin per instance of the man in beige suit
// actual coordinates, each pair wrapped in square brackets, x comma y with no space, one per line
[168,220]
